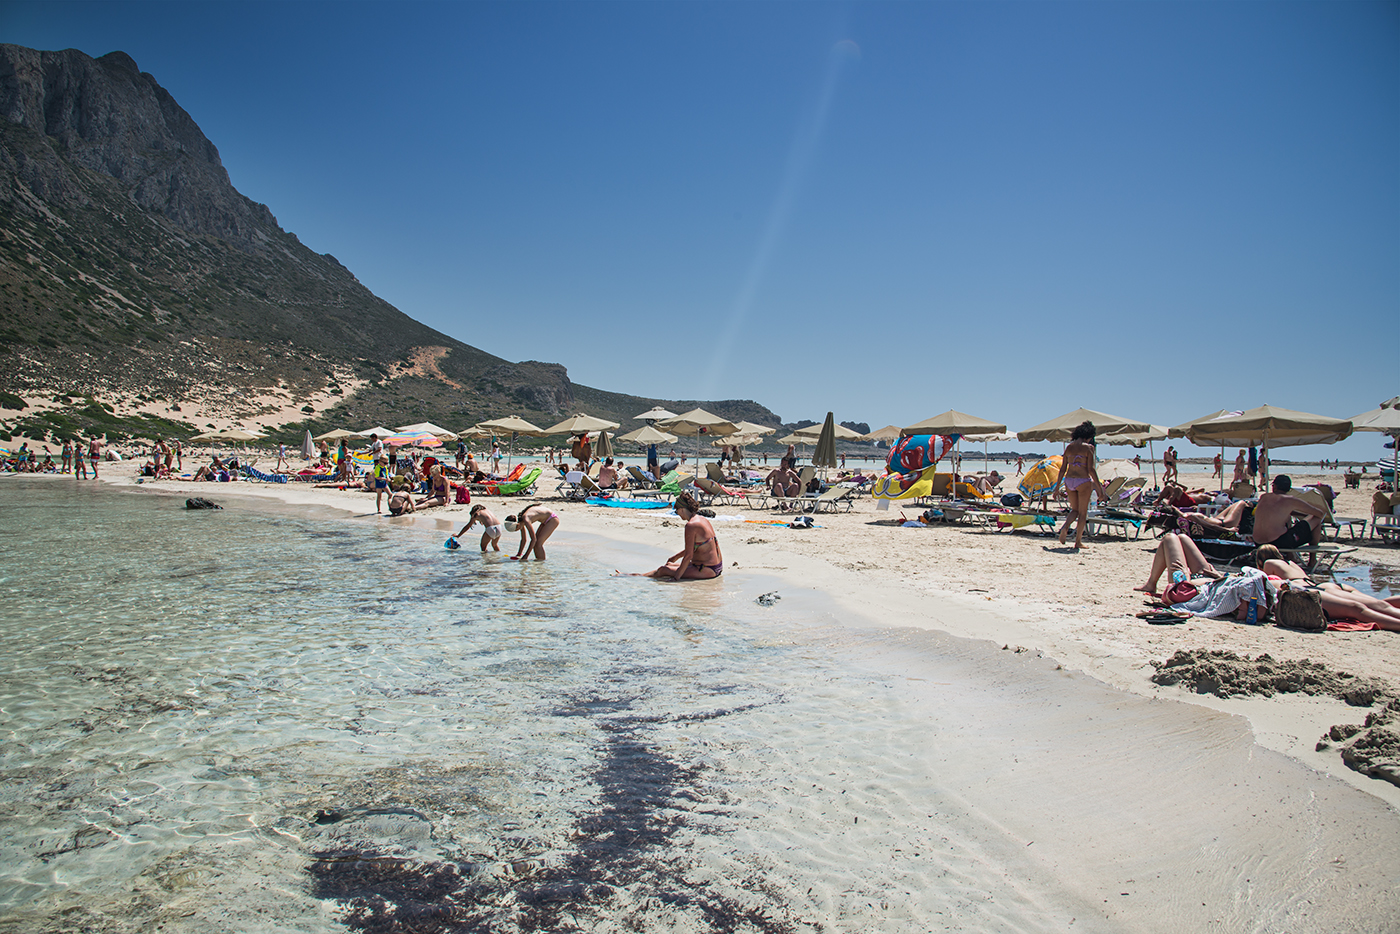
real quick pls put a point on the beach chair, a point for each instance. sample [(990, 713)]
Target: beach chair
[(571, 486), (714, 472), (640, 481), (833, 499), (714, 494), (255, 474)]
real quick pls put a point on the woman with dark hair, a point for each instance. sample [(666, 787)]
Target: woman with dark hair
[(1079, 469), (1338, 600), (700, 559), (536, 523)]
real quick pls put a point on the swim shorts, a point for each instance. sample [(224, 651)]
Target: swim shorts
[(494, 531), (1300, 533)]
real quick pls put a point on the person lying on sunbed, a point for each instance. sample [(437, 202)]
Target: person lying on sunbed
[(1338, 600), (985, 484)]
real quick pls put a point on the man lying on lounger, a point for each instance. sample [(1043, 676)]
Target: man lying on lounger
[(1273, 518)]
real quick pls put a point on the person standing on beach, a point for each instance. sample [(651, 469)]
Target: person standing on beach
[(381, 480), (1239, 468), (343, 461), (1219, 466), (281, 458), (179, 456), (1079, 469), (496, 458), (536, 523), (79, 465), (67, 456), (1169, 465), (94, 453)]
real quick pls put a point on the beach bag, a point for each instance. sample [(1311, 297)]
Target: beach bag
[(463, 495), (1300, 610), (1011, 500), (1180, 592)]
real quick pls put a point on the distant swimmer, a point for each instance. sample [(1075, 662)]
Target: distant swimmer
[(536, 523), (700, 559), (491, 527)]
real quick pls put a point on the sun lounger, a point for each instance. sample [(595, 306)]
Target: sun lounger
[(1386, 527), (255, 474), (833, 499), (1323, 557), (1102, 525), (640, 481), (713, 494), (1342, 522)]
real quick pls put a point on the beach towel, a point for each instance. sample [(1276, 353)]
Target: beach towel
[(265, 477), (627, 503), (1223, 597)]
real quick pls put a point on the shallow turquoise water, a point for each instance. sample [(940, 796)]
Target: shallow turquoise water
[(265, 720)]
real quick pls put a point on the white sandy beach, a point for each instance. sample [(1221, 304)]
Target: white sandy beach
[(1015, 590)]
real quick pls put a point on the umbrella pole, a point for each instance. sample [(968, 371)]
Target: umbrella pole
[(1152, 458)]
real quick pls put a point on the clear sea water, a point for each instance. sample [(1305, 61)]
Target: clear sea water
[(269, 720)]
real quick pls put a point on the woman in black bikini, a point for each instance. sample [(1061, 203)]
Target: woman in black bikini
[(700, 559), (1078, 469)]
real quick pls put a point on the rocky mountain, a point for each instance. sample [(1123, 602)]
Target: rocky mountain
[(141, 292)]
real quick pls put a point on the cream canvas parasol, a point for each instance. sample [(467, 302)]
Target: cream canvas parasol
[(580, 424), (1270, 426), (648, 435), (1060, 429)]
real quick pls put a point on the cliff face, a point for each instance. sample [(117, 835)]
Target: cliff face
[(107, 116), (132, 269)]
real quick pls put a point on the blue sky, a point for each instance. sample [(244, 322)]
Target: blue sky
[(885, 210)]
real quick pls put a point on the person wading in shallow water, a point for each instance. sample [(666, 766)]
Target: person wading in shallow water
[(536, 523), (700, 559)]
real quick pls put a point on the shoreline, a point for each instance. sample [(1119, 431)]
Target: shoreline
[(1112, 649)]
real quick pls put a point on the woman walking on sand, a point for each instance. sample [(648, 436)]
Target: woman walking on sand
[(536, 523), (700, 559), (1078, 469)]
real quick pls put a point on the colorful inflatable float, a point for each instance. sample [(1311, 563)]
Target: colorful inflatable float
[(911, 468)]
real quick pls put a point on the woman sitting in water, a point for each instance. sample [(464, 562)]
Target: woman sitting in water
[(700, 559), (1338, 600), (437, 489), (536, 523), (400, 503)]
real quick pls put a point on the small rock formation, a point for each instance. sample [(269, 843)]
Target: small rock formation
[(199, 502)]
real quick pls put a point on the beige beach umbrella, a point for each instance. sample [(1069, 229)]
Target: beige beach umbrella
[(953, 422), (794, 438), (442, 434), (1270, 426), (238, 434), (380, 430), (648, 435), (1113, 469), (515, 425), (698, 422), (750, 429), (1060, 429), (1138, 439), (1385, 419), (825, 454), (811, 433), (656, 413), (888, 433), (336, 435), (580, 424), (475, 431), (206, 436), (1179, 431)]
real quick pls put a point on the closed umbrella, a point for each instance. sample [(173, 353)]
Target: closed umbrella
[(308, 447), (604, 448), (825, 455), (1269, 426)]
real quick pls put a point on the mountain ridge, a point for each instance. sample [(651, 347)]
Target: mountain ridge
[(134, 275)]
